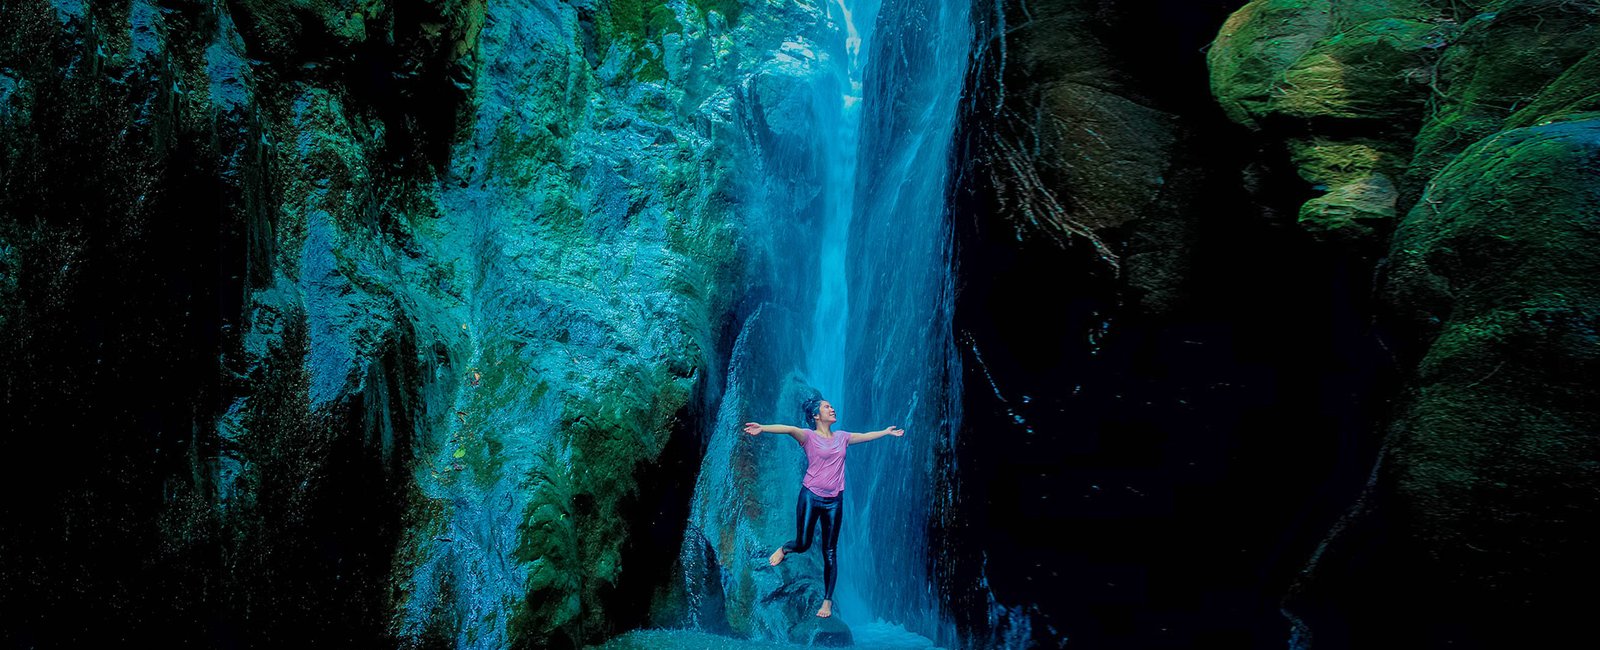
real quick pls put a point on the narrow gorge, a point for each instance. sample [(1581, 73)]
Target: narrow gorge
[(436, 323)]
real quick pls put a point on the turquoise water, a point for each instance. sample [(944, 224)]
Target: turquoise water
[(847, 203), (873, 636), (899, 357)]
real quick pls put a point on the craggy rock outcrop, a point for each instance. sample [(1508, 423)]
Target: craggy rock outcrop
[(212, 310), (1478, 524), (1343, 84), (384, 312), (744, 510), (593, 196), (1154, 367), (1074, 146), (1372, 98), (1466, 123)]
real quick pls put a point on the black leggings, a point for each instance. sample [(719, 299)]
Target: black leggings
[(808, 511)]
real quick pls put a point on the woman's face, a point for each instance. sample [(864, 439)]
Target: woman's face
[(825, 414)]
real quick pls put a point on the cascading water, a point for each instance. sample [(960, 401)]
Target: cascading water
[(849, 191), (826, 350), (899, 349)]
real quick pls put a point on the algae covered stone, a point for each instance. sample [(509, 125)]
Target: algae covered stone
[(1378, 70), (1343, 84), (1577, 90), (1502, 59), (1482, 502), (1256, 45), (1356, 177), (1351, 211)]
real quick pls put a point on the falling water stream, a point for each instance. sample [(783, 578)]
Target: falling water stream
[(880, 347), (845, 208)]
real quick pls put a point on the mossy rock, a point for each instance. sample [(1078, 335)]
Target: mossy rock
[(1352, 212), (1256, 45), (1483, 496), (1501, 61), (1576, 91), (1357, 176), (1327, 162), (1496, 459), (1512, 215), (1479, 501), (1350, 13), (1378, 70), (640, 27)]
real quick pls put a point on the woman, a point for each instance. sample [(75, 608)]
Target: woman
[(822, 491)]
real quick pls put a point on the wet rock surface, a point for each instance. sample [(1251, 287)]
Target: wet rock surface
[(413, 324), (1483, 175), (387, 311)]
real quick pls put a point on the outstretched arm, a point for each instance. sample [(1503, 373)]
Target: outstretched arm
[(863, 437), (755, 429)]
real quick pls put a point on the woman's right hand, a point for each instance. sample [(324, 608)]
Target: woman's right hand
[(752, 428)]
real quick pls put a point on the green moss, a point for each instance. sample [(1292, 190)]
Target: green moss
[(1361, 198), (1256, 44), (1500, 62), (573, 530), (1378, 70), (548, 545), (729, 9), (640, 25), (641, 21), (1576, 91), (1490, 458), (533, 142), (1500, 428), (1376, 67), (1511, 209), (1328, 162), (1493, 458), (1350, 13), (1353, 211)]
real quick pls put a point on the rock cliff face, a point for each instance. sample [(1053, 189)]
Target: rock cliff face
[(211, 218), (355, 323), (1464, 128), (385, 312), (1157, 365)]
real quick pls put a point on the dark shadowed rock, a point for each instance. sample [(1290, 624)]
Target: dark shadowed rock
[(1341, 84), (821, 632), (1471, 524), (1477, 529)]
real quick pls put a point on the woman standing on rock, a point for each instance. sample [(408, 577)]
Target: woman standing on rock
[(822, 491)]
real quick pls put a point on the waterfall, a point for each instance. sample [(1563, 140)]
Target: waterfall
[(850, 130), (898, 350)]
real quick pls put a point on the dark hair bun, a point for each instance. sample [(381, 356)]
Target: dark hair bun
[(810, 409)]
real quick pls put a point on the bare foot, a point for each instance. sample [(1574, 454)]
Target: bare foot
[(777, 556), (827, 609)]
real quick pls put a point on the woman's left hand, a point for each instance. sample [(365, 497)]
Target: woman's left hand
[(896, 431)]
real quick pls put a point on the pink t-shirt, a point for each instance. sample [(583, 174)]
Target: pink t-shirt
[(825, 462)]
